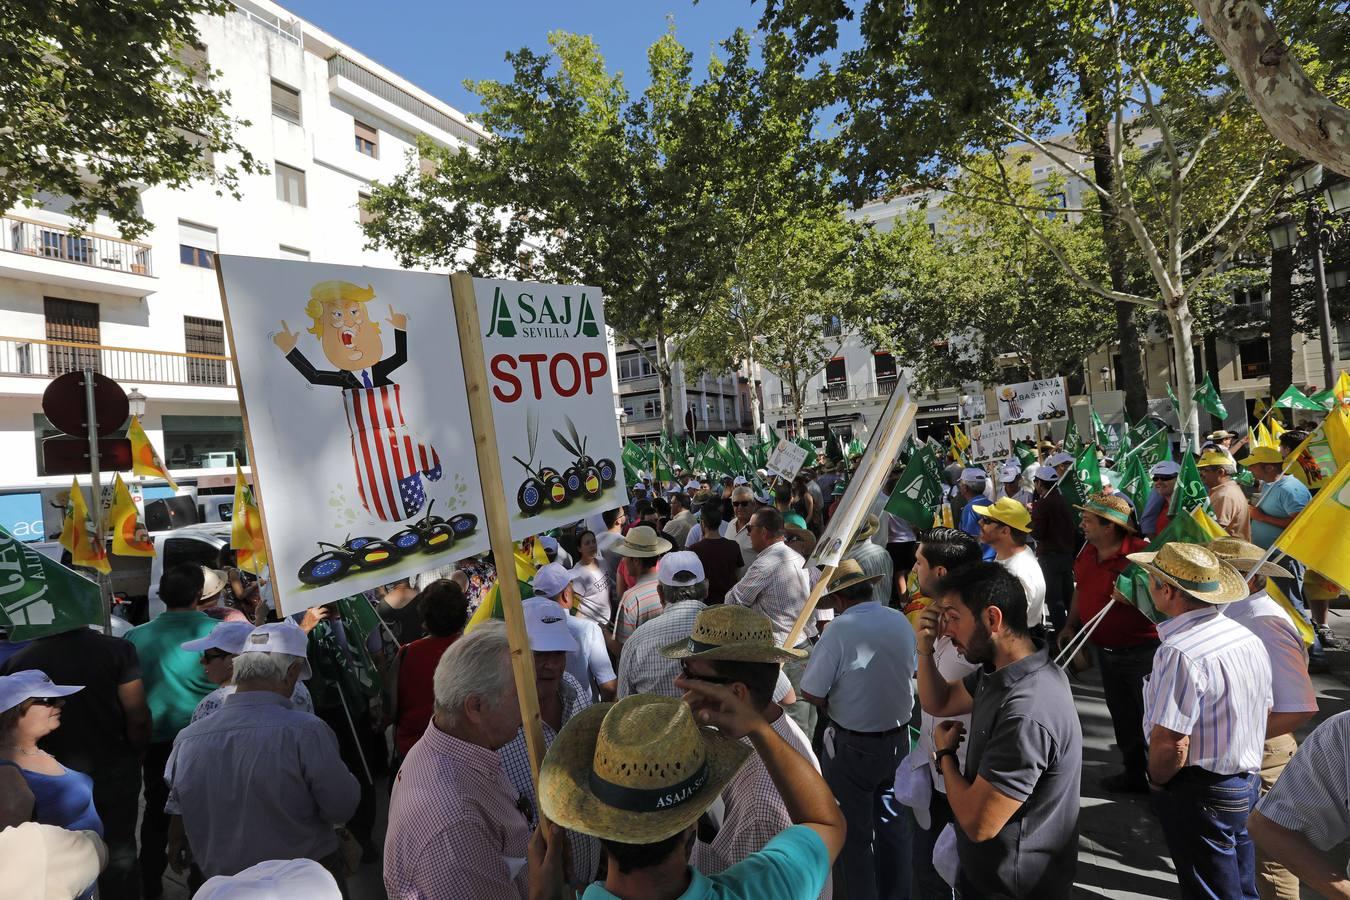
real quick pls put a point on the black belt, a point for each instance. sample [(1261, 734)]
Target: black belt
[(871, 734)]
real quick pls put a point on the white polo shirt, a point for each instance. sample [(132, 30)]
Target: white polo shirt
[(863, 664)]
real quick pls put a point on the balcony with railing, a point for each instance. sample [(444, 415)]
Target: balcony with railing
[(58, 254), (46, 359), (839, 392)]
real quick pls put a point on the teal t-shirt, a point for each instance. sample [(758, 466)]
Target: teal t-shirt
[(174, 679), (1283, 498), (792, 866)]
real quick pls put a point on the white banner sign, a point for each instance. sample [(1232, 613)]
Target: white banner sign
[(1032, 402), (787, 459), (990, 441), (358, 423), (552, 400)]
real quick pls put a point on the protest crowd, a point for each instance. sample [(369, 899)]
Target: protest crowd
[(913, 735)]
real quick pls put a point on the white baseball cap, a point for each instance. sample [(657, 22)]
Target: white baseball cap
[(228, 636), (1008, 474), (738, 481), (972, 475), (546, 624), (548, 542), (1166, 468), (550, 580), (276, 879), (1059, 459), (680, 569), (1047, 473), (281, 637), (30, 683)]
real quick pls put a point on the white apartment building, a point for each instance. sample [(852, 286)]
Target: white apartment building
[(327, 120), (706, 404)]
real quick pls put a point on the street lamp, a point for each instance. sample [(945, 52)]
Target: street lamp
[(136, 403), (1106, 378), (825, 398), (1283, 235)]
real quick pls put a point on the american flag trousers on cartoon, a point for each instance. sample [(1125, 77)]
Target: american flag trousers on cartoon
[(389, 463)]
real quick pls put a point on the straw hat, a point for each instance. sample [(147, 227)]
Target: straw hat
[(735, 633), (1195, 570), (867, 529), (1111, 507), (642, 541), (847, 574), (1259, 455), (800, 539), (1007, 511), (1220, 435), (636, 771), (1243, 556)]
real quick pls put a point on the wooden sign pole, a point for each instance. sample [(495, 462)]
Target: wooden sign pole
[(498, 514), (795, 635)]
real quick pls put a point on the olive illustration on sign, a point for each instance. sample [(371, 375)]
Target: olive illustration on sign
[(542, 486), (338, 561), (608, 472), (582, 477), (429, 533), (464, 523)]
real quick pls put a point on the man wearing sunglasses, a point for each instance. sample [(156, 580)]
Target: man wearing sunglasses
[(1155, 516)]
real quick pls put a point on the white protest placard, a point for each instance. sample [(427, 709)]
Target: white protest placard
[(990, 441), (549, 380), (357, 421), (1032, 402), (787, 459), (972, 403)]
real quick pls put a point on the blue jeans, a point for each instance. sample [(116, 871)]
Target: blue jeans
[(1204, 819)]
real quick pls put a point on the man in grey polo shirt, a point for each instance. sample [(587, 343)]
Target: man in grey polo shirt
[(1016, 803)]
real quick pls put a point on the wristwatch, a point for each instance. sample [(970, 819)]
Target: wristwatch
[(938, 754)]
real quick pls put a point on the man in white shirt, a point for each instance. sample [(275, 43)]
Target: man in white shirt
[(1005, 526), (859, 674), (589, 664), (1295, 700), (681, 519)]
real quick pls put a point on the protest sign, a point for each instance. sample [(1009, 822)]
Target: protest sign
[(972, 403), (990, 441), (1032, 402), (552, 401), (358, 428), (786, 460), (39, 596)]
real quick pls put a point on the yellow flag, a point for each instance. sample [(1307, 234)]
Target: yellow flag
[(129, 537), (1276, 429), (1263, 438), (145, 460), (1305, 630), (1342, 390), (1319, 536), (1336, 426), (1259, 409), (959, 438), (246, 531), (1206, 522), (78, 537)]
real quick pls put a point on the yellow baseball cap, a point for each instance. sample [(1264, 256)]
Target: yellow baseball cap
[(1215, 458), (1263, 455), (1008, 511)]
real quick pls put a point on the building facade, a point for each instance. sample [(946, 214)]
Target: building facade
[(705, 404), (326, 120)]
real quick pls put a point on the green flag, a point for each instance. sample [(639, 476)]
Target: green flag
[(1208, 397), (40, 596), (1153, 449), (1100, 433), (1293, 398), (1075, 493), (1134, 481), (1190, 491), (1088, 470), (1325, 399), (1073, 441), (856, 448), (1172, 398), (1025, 455), (1133, 582), (918, 490)]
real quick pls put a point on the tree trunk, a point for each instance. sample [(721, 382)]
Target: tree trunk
[(1299, 115), (756, 416), (1281, 321), (663, 373), (1135, 385), (1182, 325)]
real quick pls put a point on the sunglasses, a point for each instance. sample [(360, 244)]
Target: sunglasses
[(985, 520), (706, 679), (48, 701), (1164, 478), (740, 502), (213, 655)]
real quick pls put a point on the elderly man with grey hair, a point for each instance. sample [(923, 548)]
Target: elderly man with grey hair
[(456, 826), (259, 779), (683, 589)]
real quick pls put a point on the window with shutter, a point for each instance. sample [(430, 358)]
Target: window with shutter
[(367, 140), (205, 337), (285, 103), (290, 184), (72, 322), (197, 245)]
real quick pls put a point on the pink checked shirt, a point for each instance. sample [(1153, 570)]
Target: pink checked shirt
[(454, 825)]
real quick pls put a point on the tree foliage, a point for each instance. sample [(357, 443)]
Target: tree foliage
[(98, 102), (649, 198)]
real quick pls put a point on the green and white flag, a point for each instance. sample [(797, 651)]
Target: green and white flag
[(1293, 398), (1208, 397), (1153, 449), (1100, 433), (1190, 491), (1134, 481), (1073, 441), (39, 596), (1088, 470), (918, 491), (1172, 399)]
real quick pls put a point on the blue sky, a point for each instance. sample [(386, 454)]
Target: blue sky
[(437, 44)]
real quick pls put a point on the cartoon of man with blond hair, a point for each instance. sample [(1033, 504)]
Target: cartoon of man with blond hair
[(389, 463)]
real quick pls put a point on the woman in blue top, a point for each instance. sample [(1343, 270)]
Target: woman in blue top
[(30, 709)]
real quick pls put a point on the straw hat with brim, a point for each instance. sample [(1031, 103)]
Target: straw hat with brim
[(800, 536), (734, 633), (1196, 571), (1109, 507), (642, 541), (636, 771), (867, 529), (1260, 455), (847, 574), (1244, 556)]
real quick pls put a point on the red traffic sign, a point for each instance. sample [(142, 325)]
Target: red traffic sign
[(65, 405), (70, 456)]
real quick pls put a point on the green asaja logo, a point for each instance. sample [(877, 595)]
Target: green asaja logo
[(557, 316)]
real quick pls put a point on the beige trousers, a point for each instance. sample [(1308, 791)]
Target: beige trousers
[(1274, 881)]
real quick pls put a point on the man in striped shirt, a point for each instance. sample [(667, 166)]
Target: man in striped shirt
[(641, 549), (1205, 712)]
